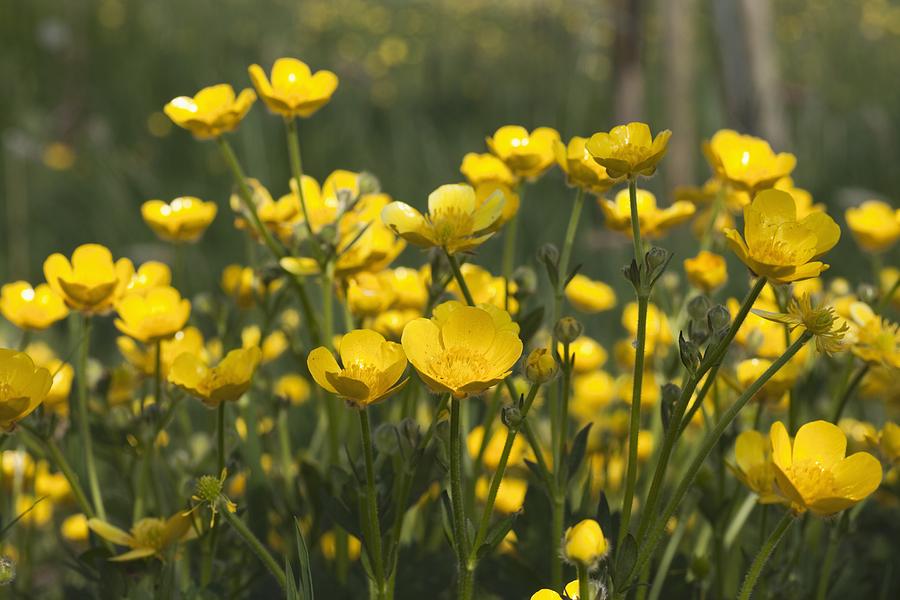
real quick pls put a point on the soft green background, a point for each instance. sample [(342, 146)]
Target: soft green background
[(422, 82)]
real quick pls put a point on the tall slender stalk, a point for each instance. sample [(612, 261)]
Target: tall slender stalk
[(84, 427), (464, 586), (763, 556), (847, 392), (373, 545), (297, 168), (643, 297), (584, 583), (220, 438), (565, 256), (255, 545), (460, 280)]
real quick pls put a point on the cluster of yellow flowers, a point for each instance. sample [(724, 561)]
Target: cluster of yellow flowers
[(463, 331)]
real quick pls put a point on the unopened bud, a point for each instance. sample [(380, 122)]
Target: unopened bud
[(567, 330), (585, 543), (719, 319), (526, 281), (385, 439), (690, 353), (548, 254), (511, 416), (656, 261), (540, 366), (368, 183), (698, 307)]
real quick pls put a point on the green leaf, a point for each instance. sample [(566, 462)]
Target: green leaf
[(576, 454), (306, 581), (626, 557), (496, 534)]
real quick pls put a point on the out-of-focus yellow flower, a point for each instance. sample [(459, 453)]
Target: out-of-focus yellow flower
[(589, 296), (650, 394), (587, 354), (746, 162), (225, 382), (123, 383), (74, 528), (34, 511), (188, 340), (16, 464), (591, 394), (813, 473), (462, 349), (889, 277), (409, 285), (585, 543), (91, 282), (157, 315), (368, 294), (485, 192), (754, 467), (776, 244), (328, 544), (454, 220), (654, 222), (54, 486), (486, 168), (889, 442), (294, 90), (32, 308), (706, 271), (59, 156), (493, 448), (526, 154), (148, 537), (646, 444), (57, 398), (510, 494), (23, 386), (750, 369), (294, 388), (279, 216), (877, 341), (152, 274), (874, 224), (629, 150), (272, 346), (803, 200), (242, 284), (580, 167), (184, 219), (390, 323), (485, 288), (859, 433), (658, 332), (212, 111), (370, 368)]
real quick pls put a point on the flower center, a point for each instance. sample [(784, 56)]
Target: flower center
[(631, 153), (459, 365), (450, 224), (7, 392), (363, 372), (761, 477), (149, 533), (812, 480)]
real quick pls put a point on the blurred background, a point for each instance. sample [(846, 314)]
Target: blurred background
[(84, 141)]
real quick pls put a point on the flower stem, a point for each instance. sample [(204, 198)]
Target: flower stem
[(297, 168), (454, 265), (84, 427), (763, 556), (656, 527), (847, 392), (635, 221), (464, 590), (59, 459), (255, 545), (635, 423), (584, 583), (830, 555), (220, 437), (568, 243), (374, 544)]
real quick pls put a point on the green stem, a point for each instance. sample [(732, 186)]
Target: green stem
[(847, 392), (509, 242), (568, 243), (635, 222), (464, 591), (220, 437), (763, 557), (657, 527), (374, 544), (59, 459), (830, 555), (635, 423), (84, 428), (888, 296), (715, 209), (460, 280), (557, 525), (297, 168), (255, 545), (511, 434), (584, 583)]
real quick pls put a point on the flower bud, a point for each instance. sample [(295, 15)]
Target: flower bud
[(511, 416), (656, 261), (698, 307), (690, 353), (585, 543), (526, 281), (7, 571), (548, 254), (540, 366), (567, 330), (719, 319), (368, 184)]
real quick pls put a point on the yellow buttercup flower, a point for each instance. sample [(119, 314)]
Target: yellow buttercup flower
[(485, 192), (526, 154), (23, 386), (707, 271), (370, 368), (91, 282), (157, 315), (587, 354), (293, 90), (802, 198), (294, 388), (272, 346), (874, 224), (817, 319), (463, 350), (746, 162), (750, 369), (877, 341), (580, 167), (486, 168), (188, 340), (184, 219), (212, 111), (242, 284), (390, 323), (585, 543), (53, 486), (57, 399), (754, 466), (454, 221), (591, 393), (148, 537), (629, 150), (74, 528), (328, 544), (813, 473), (654, 222), (32, 308), (658, 331), (368, 294), (225, 382), (409, 286), (776, 244), (152, 274), (493, 448), (889, 442), (35, 511), (589, 296), (510, 495), (485, 288)]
